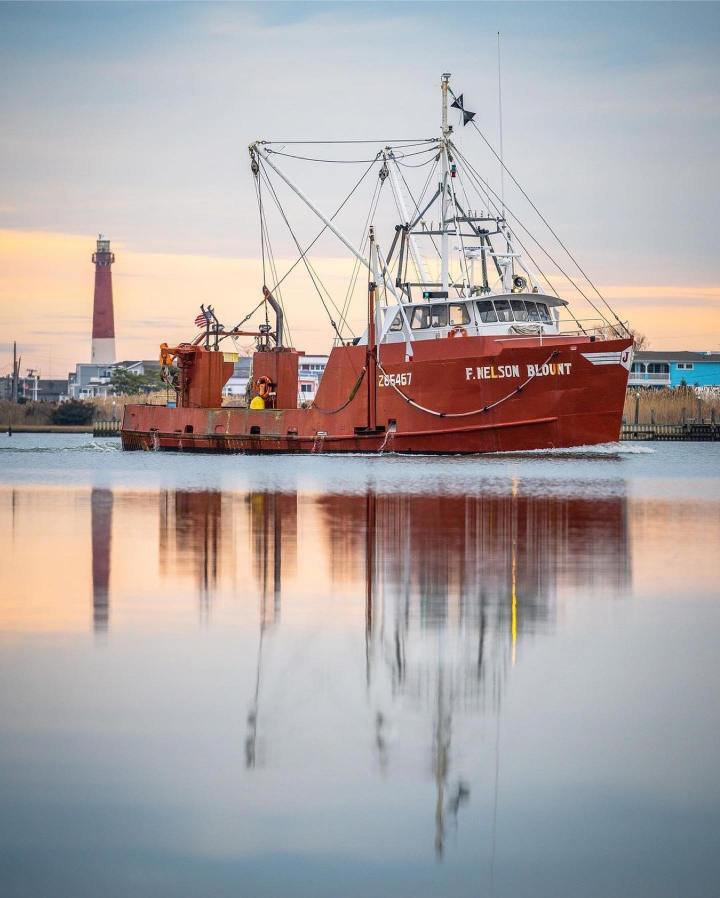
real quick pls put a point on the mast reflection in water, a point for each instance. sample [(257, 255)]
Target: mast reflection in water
[(452, 585)]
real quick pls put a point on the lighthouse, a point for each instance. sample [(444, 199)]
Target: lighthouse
[(103, 332)]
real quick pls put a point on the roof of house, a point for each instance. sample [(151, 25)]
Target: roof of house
[(647, 355), (146, 363)]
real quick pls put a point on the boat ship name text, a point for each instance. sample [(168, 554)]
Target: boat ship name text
[(491, 372)]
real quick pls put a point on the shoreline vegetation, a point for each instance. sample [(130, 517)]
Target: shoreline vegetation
[(681, 405), (672, 405)]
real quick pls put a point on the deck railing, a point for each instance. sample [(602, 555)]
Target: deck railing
[(655, 377)]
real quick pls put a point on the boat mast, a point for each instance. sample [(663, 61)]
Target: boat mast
[(444, 202), (371, 355)]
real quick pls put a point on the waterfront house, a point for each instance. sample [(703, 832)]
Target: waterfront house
[(310, 371), (672, 369), (91, 381)]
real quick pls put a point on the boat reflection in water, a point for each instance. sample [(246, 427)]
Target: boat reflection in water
[(451, 585), (500, 681)]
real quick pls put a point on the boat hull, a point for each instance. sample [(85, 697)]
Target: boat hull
[(465, 396)]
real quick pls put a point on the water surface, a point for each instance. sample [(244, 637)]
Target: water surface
[(350, 676)]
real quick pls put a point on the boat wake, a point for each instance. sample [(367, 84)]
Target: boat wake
[(93, 446), (601, 450)]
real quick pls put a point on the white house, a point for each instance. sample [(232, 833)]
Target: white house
[(90, 381), (310, 371)]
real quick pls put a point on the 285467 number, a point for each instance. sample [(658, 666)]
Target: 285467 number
[(395, 380)]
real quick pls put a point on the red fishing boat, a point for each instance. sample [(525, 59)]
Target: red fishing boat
[(463, 352)]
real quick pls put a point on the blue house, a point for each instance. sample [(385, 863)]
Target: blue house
[(671, 369)]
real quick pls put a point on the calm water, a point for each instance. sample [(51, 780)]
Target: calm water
[(359, 677)]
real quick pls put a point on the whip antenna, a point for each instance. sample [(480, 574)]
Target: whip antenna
[(500, 117)]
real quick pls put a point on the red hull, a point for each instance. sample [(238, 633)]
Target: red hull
[(489, 394)]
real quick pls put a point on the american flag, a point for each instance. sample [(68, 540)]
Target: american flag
[(202, 319)]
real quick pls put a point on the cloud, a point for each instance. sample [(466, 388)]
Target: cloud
[(610, 131), (666, 296)]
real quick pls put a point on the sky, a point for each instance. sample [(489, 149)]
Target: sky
[(134, 120)]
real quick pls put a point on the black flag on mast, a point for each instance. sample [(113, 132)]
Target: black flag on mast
[(457, 103)]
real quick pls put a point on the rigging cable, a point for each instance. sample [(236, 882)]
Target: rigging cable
[(324, 227), (273, 271), (475, 175), (347, 161), (422, 196), (258, 193), (458, 229), (416, 164), (405, 141), (249, 315), (525, 250), (333, 324), (547, 224), (363, 240), (262, 246), (265, 240)]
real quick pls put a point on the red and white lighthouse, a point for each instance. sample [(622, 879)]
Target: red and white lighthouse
[(103, 332)]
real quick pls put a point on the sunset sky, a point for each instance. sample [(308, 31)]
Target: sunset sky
[(134, 121)]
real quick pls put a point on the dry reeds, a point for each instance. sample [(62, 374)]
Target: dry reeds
[(671, 405), (26, 413)]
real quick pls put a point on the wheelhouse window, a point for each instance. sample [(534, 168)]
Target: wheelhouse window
[(425, 316), (439, 316), (458, 314), (544, 313), (502, 307), (420, 318), (532, 310), (486, 310), (519, 310)]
